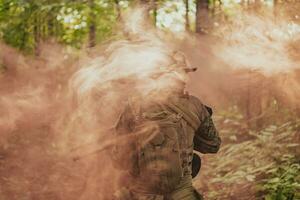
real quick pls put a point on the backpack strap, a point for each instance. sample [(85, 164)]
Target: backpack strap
[(191, 119)]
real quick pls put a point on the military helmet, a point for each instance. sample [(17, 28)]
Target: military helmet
[(177, 69), (180, 67), (180, 61)]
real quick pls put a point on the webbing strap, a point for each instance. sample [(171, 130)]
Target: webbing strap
[(187, 116)]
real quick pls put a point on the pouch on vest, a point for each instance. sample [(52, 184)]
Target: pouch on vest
[(159, 162)]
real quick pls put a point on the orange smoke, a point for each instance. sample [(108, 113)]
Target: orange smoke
[(252, 52), (258, 43), (60, 105), (63, 100)]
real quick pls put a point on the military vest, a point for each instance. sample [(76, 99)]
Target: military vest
[(164, 140)]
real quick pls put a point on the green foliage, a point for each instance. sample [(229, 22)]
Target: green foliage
[(284, 181), (251, 162), (106, 18), (12, 26), (24, 24), (73, 20)]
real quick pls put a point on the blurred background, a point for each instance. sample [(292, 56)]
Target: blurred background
[(248, 58), (24, 24)]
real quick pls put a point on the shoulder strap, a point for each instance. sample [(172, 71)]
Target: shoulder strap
[(191, 119)]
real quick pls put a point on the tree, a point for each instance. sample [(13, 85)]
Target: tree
[(118, 9), (25, 24), (202, 16), (154, 8), (151, 7), (187, 20), (92, 24)]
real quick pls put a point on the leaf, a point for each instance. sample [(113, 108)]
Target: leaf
[(250, 178), (271, 128), (233, 138), (292, 145), (274, 180)]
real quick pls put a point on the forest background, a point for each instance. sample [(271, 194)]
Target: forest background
[(256, 104)]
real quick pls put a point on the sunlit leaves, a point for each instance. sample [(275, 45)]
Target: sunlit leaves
[(23, 24), (285, 180), (74, 24), (171, 15), (263, 162)]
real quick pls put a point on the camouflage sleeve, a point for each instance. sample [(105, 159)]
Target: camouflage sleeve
[(206, 139)]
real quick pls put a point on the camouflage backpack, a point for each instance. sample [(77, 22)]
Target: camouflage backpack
[(164, 145)]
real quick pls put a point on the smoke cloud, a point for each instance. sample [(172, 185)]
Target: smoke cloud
[(65, 104)]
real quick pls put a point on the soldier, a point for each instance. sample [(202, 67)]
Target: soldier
[(156, 153)]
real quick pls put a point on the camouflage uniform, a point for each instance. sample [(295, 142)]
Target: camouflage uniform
[(157, 150)]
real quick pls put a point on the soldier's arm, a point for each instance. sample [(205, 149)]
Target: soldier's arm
[(206, 139)]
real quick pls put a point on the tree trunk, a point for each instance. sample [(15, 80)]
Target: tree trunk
[(187, 20), (154, 7), (257, 5), (144, 2), (37, 36), (275, 8), (117, 5), (92, 25), (213, 9), (202, 16), (147, 5)]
